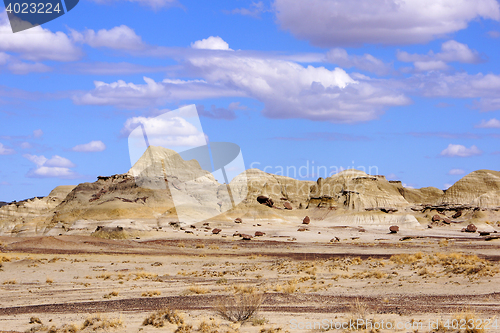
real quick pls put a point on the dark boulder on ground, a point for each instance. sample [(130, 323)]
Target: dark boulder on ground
[(393, 229), (436, 218), (471, 228), (246, 237), (259, 233), (306, 220), (287, 205), (238, 220), (216, 231)]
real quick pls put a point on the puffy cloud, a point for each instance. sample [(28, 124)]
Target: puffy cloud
[(130, 95), (37, 43), (365, 62), (492, 123), (121, 38), (287, 89), (5, 150), (211, 43), (166, 132), (92, 146), (290, 90), (55, 167), (460, 151), (456, 172), (451, 51), (331, 23)]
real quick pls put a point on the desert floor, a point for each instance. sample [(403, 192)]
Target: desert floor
[(304, 283)]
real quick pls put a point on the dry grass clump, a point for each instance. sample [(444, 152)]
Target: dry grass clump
[(289, 287), (49, 281), (458, 263), (406, 259), (114, 234), (198, 290), (10, 282), (200, 246), (159, 318), (114, 293), (98, 321), (151, 293), (240, 307)]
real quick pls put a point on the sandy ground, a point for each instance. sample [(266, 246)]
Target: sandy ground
[(308, 283)]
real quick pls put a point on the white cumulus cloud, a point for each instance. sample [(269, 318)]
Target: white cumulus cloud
[(492, 123), (451, 51), (55, 167), (121, 37), (37, 43), (332, 23), (211, 43), (92, 146), (461, 151), (166, 132)]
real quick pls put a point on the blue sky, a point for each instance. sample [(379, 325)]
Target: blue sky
[(407, 88)]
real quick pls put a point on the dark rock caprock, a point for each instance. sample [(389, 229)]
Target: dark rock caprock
[(306, 220)]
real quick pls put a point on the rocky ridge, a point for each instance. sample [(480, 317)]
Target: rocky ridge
[(161, 186)]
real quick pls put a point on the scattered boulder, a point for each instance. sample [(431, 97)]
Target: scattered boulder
[(302, 229), (259, 233), (361, 229), (287, 205), (306, 220), (388, 210), (246, 237), (484, 233), (429, 226), (457, 214), (471, 228), (334, 240), (436, 218), (237, 234), (188, 232), (262, 199), (394, 229), (216, 231), (446, 220), (238, 220)]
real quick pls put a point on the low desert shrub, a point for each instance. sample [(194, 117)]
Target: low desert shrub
[(159, 318), (98, 321), (240, 307)]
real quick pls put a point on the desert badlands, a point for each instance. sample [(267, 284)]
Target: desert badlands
[(168, 248)]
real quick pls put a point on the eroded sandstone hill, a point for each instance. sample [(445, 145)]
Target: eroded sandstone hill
[(161, 187)]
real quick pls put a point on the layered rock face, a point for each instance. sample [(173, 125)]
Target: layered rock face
[(162, 188), (479, 188)]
